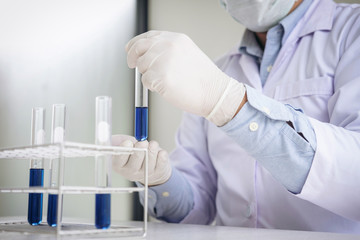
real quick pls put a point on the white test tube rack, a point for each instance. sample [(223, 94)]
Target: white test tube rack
[(72, 150)]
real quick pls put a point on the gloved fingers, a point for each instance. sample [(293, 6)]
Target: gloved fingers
[(162, 159), (126, 166), (153, 146), (153, 150), (155, 82), (122, 141), (151, 56), (119, 161), (162, 169), (138, 49), (116, 140), (136, 160), (152, 81), (149, 34)]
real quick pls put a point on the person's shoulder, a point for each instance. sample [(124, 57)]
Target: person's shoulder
[(348, 6), (347, 13), (346, 22)]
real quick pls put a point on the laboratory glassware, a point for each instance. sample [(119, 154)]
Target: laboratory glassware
[(77, 227), (57, 136), (36, 178), (141, 108), (103, 162)]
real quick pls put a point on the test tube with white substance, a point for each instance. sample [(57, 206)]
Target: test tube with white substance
[(103, 162), (57, 136)]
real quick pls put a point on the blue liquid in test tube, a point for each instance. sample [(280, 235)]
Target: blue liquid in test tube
[(141, 123), (103, 203), (36, 178), (52, 210), (141, 109), (103, 162), (35, 199), (57, 136)]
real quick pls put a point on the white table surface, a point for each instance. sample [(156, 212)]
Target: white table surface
[(189, 232), (166, 231)]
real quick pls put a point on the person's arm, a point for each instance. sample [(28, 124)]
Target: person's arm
[(333, 181), (170, 201), (175, 68), (277, 135), (178, 70), (191, 158), (187, 192)]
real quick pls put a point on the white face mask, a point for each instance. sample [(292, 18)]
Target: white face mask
[(258, 15)]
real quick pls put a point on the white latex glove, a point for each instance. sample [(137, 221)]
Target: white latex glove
[(173, 66), (132, 166)]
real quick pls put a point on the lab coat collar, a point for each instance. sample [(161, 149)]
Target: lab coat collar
[(316, 22), (311, 22)]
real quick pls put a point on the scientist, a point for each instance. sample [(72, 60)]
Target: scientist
[(271, 133)]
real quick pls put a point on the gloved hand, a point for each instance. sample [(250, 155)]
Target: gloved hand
[(132, 166), (173, 66)]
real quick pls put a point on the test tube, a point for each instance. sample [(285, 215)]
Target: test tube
[(103, 162), (141, 108), (36, 167), (57, 136)]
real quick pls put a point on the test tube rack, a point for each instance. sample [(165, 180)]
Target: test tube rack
[(72, 150)]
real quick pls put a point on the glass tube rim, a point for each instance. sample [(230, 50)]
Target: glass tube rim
[(103, 97), (55, 105)]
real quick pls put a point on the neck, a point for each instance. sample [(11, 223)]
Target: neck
[(261, 37)]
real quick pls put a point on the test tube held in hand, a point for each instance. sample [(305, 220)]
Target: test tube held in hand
[(103, 162), (36, 178), (141, 108), (57, 136)]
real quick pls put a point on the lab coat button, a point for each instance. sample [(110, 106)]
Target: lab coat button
[(253, 126), (269, 68), (165, 194)]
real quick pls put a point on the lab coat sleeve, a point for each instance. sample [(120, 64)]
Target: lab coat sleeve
[(334, 178), (171, 201), (189, 195), (191, 158)]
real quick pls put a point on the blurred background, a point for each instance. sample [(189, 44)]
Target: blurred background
[(70, 51), (64, 51)]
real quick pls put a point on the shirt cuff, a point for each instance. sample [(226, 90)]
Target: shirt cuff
[(261, 128), (255, 123), (170, 201)]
